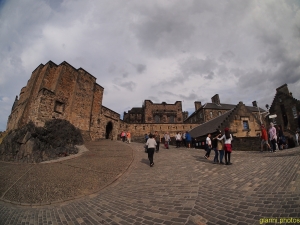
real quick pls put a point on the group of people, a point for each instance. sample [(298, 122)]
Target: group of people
[(153, 142), (183, 138), (125, 136), (221, 144), (275, 136)]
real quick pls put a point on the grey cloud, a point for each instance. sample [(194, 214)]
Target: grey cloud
[(226, 56), (154, 99), (128, 85), (196, 66), (191, 96), (163, 30), (166, 93), (140, 68)]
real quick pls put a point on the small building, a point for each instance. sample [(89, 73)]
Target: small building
[(286, 108), (209, 111), (242, 123), (156, 113)]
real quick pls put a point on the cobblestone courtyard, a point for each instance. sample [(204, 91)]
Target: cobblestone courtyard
[(113, 184)]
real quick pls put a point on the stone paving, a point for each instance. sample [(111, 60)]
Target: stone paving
[(182, 188)]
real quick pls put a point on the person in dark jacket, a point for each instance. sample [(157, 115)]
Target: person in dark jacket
[(188, 139), (215, 145)]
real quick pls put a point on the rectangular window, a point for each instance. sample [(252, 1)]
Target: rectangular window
[(245, 125), (59, 107), (294, 111)]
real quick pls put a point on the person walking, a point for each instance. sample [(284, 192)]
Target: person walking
[(123, 135), (157, 139), (151, 144), (184, 139), (208, 146), (167, 140), (215, 147), (227, 137), (188, 139), (273, 137), (178, 139), (220, 148), (264, 138), (128, 137), (281, 138)]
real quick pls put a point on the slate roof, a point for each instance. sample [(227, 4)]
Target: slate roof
[(224, 107), (209, 126)]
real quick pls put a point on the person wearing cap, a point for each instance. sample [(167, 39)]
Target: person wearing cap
[(264, 138), (227, 145), (273, 137)]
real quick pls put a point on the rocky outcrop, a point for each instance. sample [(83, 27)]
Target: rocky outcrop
[(32, 144)]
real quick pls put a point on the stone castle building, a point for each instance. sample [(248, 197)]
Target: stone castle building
[(61, 91), (64, 92), (286, 108), (209, 111), (156, 113)]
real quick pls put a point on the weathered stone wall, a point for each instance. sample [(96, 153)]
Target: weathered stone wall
[(107, 125), (164, 111), (58, 91), (286, 108), (138, 131), (204, 115)]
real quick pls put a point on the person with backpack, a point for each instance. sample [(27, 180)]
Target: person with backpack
[(227, 137)]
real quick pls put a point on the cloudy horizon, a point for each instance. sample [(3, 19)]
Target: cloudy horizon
[(161, 50)]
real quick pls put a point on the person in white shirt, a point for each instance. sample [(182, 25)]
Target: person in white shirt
[(178, 139), (151, 143), (208, 146), (227, 145), (167, 140)]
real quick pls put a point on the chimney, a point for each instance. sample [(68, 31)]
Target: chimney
[(197, 105), (283, 89), (254, 103), (215, 99)]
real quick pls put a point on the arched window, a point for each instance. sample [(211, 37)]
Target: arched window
[(157, 119), (171, 119), (211, 114), (220, 113)]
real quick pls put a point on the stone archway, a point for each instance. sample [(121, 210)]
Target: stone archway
[(108, 131)]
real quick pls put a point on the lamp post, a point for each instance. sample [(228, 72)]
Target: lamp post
[(267, 106)]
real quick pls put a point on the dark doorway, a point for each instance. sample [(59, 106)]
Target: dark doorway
[(109, 127), (284, 116)]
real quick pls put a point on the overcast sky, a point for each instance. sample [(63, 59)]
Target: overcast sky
[(162, 50)]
